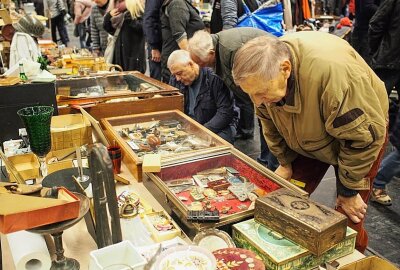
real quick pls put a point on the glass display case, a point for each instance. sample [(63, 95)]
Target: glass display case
[(228, 182), (116, 94), (170, 133)]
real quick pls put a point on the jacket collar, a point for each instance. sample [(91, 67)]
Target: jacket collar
[(292, 98)]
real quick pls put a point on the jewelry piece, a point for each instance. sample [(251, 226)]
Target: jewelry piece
[(210, 193)]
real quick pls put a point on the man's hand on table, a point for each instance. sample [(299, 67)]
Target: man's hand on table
[(285, 171), (354, 207)]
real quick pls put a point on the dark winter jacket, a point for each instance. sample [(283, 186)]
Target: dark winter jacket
[(179, 20), (214, 103), (152, 23), (365, 9), (384, 35), (226, 44), (129, 51)]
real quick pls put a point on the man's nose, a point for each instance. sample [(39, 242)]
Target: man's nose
[(178, 78)]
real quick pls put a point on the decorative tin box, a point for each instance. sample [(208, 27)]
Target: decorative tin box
[(116, 94), (232, 207), (279, 253), (310, 224)]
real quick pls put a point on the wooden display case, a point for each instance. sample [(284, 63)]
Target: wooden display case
[(197, 139), (185, 167), (116, 94)]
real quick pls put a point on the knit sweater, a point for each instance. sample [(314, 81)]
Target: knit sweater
[(98, 34)]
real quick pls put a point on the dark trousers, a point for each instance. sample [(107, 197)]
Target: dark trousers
[(58, 23), (359, 41), (228, 134), (246, 107), (391, 78), (311, 171), (155, 67), (82, 34), (266, 157)]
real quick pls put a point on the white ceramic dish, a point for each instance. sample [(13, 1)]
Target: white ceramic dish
[(185, 258)]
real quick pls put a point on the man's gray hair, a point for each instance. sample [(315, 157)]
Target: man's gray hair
[(261, 57), (201, 44), (178, 57)]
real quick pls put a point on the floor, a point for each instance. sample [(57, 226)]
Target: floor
[(382, 222)]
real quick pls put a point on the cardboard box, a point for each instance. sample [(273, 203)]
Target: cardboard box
[(27, 165), (57, 160), (71, 130), (21, 212), (370, 263), (308, 223), (279, 253)]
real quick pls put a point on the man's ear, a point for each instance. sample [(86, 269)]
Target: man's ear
[(286, 68), (211, 53)]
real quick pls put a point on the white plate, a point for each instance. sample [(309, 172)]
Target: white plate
[(186, 258)]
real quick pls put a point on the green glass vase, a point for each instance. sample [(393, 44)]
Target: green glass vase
[(37, 121)]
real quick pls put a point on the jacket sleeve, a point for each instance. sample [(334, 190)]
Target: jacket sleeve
[(94, 31), (152, 23), (224, 104), (78, 6), (136, 25), (178, 14), (229, 13), (378, 24), (357, 120), (276, 143), (107, 24)]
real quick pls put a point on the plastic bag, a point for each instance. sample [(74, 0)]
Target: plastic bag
[(267, 18)]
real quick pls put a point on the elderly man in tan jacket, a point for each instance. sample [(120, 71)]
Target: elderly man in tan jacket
[(320, 104)]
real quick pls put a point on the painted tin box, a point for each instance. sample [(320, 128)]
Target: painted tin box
[(308, 223), (279, 253)]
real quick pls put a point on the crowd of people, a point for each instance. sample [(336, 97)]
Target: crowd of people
[(319, 101)]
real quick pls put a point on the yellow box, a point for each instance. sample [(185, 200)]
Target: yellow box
[(55, 164), (27, 165), (158, 235), (370, 263), (70, 130)]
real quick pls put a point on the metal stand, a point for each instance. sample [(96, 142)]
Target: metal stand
[(56, 230), (61, 262)]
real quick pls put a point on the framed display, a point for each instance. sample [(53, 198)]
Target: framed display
[(116, 94), (171, 134), (228, 182)]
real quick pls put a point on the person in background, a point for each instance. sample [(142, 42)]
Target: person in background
[(365, 9), (318, 109), (82, 11), (217, 51), (207, 99), (390, 168), (226, 13), (384, 41), (179, 21), (57, 12), (98, 35), (152, 31), (129, 50)]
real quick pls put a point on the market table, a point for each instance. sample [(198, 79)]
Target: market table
[(78, 242)]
